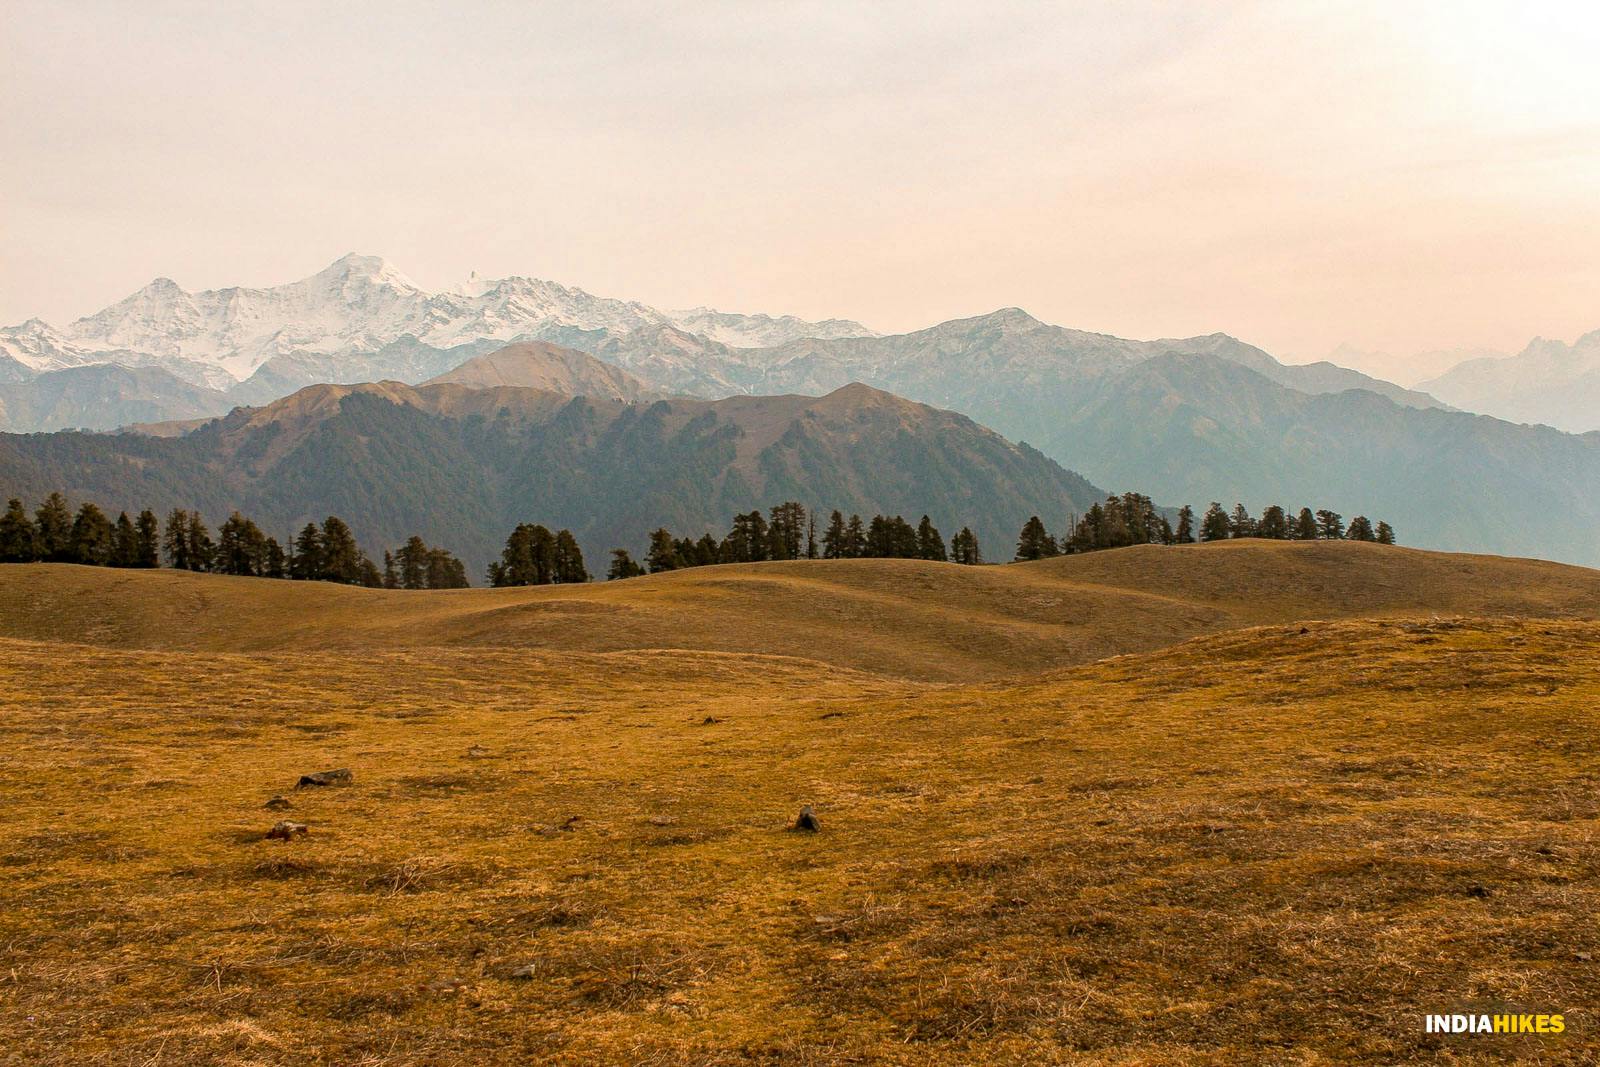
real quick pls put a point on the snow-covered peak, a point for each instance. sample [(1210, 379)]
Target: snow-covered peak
[(355, 306)]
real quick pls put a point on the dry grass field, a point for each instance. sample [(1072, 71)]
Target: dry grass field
[(1329, 789)]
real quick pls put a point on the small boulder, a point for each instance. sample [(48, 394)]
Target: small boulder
[(277, 803), (341, 776), (806, 821), (283, 830)]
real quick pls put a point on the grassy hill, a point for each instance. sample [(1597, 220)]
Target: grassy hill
[(902, 618), (1334, 787)]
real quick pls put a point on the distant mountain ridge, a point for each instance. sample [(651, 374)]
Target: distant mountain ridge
[(358, 319), (1548, 382)]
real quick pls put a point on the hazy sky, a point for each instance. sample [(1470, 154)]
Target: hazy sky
[(1399, 175)]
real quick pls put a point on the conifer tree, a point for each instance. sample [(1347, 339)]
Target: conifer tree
[(568, 567), (1330, 525), (17, 535), (1360, 530), (663, 554), (1240, 524), (1305, 526), (147, 552), (391, 577), (786, 531), (855, 538), (176, 541), (1035, 541), (92, 538), (1385, 534), (1274, 524), (413, 563), (306, 563), (1185, 534), (930, 542), (201, 548), (52, 525), (964, 548), (622, 566), (341, 557), (367, 573), (277, 564), (124, 543), (833, 538), (1215, 525), (811, 536), (445, 571)]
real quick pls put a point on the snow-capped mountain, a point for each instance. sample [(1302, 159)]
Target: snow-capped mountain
[(340, 317)]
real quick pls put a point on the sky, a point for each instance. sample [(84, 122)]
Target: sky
[(1400, 178)]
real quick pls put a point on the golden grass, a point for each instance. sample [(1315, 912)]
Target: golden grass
[(901, 618), (1278, 845)]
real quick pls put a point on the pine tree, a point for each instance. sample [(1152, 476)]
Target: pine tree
[(124, 543), (1240, 524), (964, 548), (277, 564), (1360, 530), (1330, 525), (176, 541), (811, 536), (1385, 534), (1185, 534), (148, 540), (17, 535), (833, 538), (92, 537), (201, 549), (663, 554), (568, 560), (930, 542), (786, 531), (1035, 541), (1305, 526), (367, 573), (341, 557), (391, 577), (1274, 524), (413, 563), (445, 571), (622, 566), (52, 525), (1215, 525), (306, 565), (855, 538)]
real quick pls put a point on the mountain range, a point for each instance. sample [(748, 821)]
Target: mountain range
[(1548, 382), (461, 464), (1186, 420)]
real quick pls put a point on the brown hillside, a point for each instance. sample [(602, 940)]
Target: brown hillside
[(897, 618), (552, 368)]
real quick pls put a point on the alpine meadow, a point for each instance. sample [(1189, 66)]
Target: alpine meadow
[(1130, 596)]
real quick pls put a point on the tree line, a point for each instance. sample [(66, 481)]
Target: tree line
[(1132, 519), (789, 531), (325, 553)]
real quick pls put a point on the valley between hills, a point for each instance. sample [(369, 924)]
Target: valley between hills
[(1233, 803)]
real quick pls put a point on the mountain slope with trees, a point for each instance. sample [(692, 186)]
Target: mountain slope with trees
[(460, 466)]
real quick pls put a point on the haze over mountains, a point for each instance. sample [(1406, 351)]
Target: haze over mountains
[(1186, 420), (1548, 382), (462, 464)]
